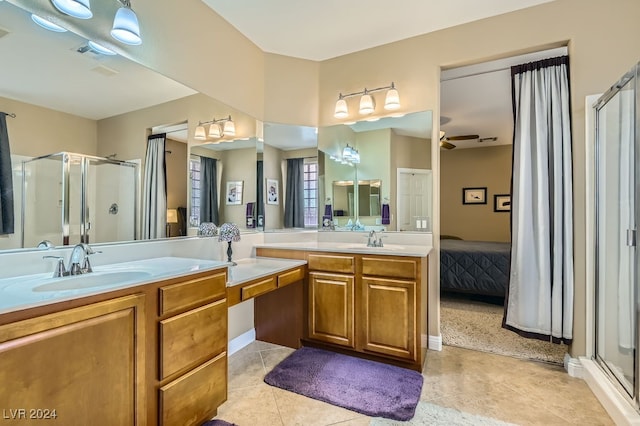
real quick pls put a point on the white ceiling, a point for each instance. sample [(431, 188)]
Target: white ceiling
[(320, 30)]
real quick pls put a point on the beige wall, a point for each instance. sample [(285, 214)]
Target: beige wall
[(238, 164), (477, 167), (40, 131)]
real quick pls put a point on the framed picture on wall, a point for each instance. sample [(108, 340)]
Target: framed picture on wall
[(234, 192), (502, 203), (474, 195), (272, 192)]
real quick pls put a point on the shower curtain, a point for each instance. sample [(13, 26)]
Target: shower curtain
[(209, 190), (6, 180), (154, 197), (540, 296), (294, 201)]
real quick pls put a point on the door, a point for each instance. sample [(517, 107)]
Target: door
[(414, 199), (331, 308), (616, 227)]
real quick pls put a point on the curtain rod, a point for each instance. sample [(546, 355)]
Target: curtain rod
[(12, 115)]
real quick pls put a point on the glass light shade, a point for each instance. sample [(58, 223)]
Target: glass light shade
[(172, 215), (346, 153), (229, 128), (47, 25), (342, 111), (392, 101), (215, 131), (126, 28), (356, 158), (100, 49), (367, 106), (77, 8), (200, 134)]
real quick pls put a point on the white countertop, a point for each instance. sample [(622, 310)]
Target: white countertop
[(360, 248), (41, 289), (253, 268)]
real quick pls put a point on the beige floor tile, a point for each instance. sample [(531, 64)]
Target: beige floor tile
[(251, 406), (360, 421), (245, 369), (271, 357), (299, 410)]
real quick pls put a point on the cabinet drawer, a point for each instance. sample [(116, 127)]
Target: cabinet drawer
[(256, 289), (290, 277), (196, 395), (389, 267), (330, 263), (186, 294), (189, 338)]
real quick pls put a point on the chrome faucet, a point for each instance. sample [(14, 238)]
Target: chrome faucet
[(79, 260), (371, 241)]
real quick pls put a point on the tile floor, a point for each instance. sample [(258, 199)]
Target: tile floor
[(503, 388)]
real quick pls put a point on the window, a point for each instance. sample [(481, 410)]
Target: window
[(194, 172), (311, 192)]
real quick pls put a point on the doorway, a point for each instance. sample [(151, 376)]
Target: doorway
[(414, 199)]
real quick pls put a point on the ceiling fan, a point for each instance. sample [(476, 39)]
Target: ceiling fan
[(444, 141)]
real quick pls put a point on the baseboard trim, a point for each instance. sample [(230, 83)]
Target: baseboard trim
[(241, 341), (573, 367), (435, 342), (620, 410)]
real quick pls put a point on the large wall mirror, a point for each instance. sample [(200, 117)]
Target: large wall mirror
[(291, 177), (69, 98), (377, 174)]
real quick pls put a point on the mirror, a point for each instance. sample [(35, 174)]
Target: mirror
[(104, 106), (284, 143), (390, 159)]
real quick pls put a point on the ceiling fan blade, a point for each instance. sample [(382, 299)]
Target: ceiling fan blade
[(446, 145), (463, 137)]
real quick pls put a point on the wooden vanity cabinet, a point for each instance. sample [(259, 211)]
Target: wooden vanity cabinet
[(192, 349), (78, 366)]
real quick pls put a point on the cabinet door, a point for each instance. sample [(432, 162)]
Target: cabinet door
[(389, 317), (331, 308), (84, 366)]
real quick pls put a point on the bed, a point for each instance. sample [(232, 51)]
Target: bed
[(476, 267)]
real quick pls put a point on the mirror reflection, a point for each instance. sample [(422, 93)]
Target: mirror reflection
[(102, 107), (291, 176), (390, 159)]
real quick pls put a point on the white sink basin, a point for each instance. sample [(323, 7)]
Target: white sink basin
[(386, 247), (92, 279)]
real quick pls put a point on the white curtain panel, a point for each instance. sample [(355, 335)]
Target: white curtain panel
[(540, 302), (154, 193)]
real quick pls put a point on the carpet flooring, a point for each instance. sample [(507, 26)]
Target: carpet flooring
[(367, 387), (477, 325)]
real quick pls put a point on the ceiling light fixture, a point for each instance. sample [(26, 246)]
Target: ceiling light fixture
[(126, 28), (215, 131), (77, 8), (367, 102), (98, 48), (46, 24)]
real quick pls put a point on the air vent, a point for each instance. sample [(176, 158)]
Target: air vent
[(106, 71)]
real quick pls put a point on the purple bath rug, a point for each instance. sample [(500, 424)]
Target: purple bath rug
[(367, 387), (218, 422)]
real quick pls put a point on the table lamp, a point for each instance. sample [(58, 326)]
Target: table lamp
[(229, 232), (172, 217)]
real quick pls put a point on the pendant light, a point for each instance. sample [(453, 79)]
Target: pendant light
[(98, 48), (215, 131), (367, 104), (77, 8), (342, 111), (47, 25), (392, 100), (229, 127), (200, 133), (126, 28)]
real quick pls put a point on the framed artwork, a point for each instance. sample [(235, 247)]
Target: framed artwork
[(474, 195), (234, 192), (502, 203), (272, 192)]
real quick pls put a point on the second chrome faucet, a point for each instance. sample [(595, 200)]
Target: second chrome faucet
[(78, 261)]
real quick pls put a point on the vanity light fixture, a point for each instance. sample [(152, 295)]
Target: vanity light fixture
[(98, 48), (80, 9), (126, 28), (215, 131), (367, 102), (46, 24)]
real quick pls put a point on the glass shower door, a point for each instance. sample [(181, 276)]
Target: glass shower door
[(616, 252)]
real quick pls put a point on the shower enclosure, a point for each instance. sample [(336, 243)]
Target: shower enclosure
[(617, 195), (72, 198)]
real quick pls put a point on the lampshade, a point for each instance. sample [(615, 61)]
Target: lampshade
[(100, 49), (172, 215), (214, 131), (229, 232), (229, 128), (392, 101), (347, 153), (46, 24), (126, 28), (367, 106), (342, 111), (77, 8), (200, 134)]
